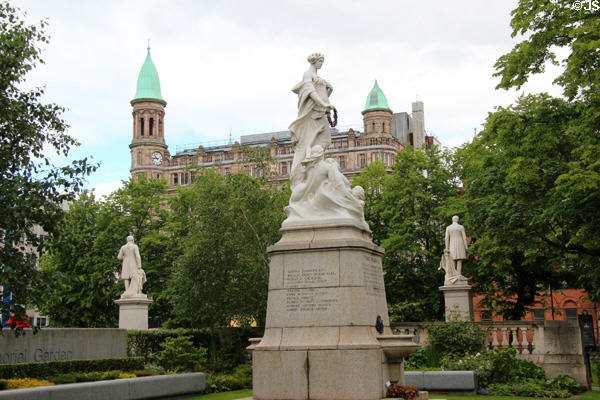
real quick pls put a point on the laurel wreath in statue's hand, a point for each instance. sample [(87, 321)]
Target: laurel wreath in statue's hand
[(335, 118)]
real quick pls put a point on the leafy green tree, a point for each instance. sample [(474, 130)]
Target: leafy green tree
[(540, 162), (547, 26), (515, 211), (81, 268), (415, 202), (31, 188), (372, 179), (223, 225)]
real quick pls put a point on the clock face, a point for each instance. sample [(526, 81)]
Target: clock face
[(157, 158)]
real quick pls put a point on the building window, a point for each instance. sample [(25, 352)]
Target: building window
[(361, 158), (41, 322), (284, 168), (571, 313), (141, 126), (151, 126), (247, 170), (485, 315), (157, 175), (184, 178), (539, 314), (140, 176), (175, 178), (375, 156), (160, 127), (227, 171), (374, 130), (342, 162), (383, 127)]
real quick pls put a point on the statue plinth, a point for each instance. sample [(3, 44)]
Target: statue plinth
[(327, 332), (458, 300), (133, 312)]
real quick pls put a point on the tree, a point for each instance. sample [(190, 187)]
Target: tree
[(548, 26), (415, 201), (514, 208), (31, 188), (223, 225), (569, 192), (372, 179), (81, 268)]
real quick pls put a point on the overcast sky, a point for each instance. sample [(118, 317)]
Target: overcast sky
[(230, 65)]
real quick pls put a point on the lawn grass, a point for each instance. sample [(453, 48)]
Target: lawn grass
[(233, 395), (589, 395), (240, 394)]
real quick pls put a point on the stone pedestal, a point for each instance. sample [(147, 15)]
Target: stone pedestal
[(133, 312), (326, 293), (458, 301)]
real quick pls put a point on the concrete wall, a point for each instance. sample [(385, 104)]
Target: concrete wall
[(54, 344), (152, 387), (563, 351)]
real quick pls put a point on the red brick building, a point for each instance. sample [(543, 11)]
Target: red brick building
[(563, 304)]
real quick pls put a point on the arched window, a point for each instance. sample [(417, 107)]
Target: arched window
[(151, 127), (570, 309), (141, 126), (374, 127)]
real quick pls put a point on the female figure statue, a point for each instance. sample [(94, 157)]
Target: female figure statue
[(323, 193), (311, 128)]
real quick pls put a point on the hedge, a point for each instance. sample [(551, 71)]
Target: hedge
[(50, 368), (226, 346)]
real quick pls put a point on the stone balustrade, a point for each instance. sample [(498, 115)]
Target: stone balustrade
[(527, 337), (553, 345)]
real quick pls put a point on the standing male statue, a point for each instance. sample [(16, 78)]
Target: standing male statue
[(132, 262), (456, 246)]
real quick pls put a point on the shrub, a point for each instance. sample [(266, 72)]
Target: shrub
[(141, 372), (564, 382), (226, 347), (179, 354), (530, 388), (452, 339), (404, 392), (495, 367), (499, 389), (416, 360), (74, 377), (50, 368), (216, 383), (240, 379), (26, 383)]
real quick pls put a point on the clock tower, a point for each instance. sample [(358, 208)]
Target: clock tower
[(149, 152)]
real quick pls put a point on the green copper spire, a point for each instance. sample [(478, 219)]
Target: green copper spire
[(148, 84), (376, 100)]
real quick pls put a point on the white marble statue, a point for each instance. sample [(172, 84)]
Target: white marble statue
[(320, 192), (132, 273), (311, 128), (455, 251)]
